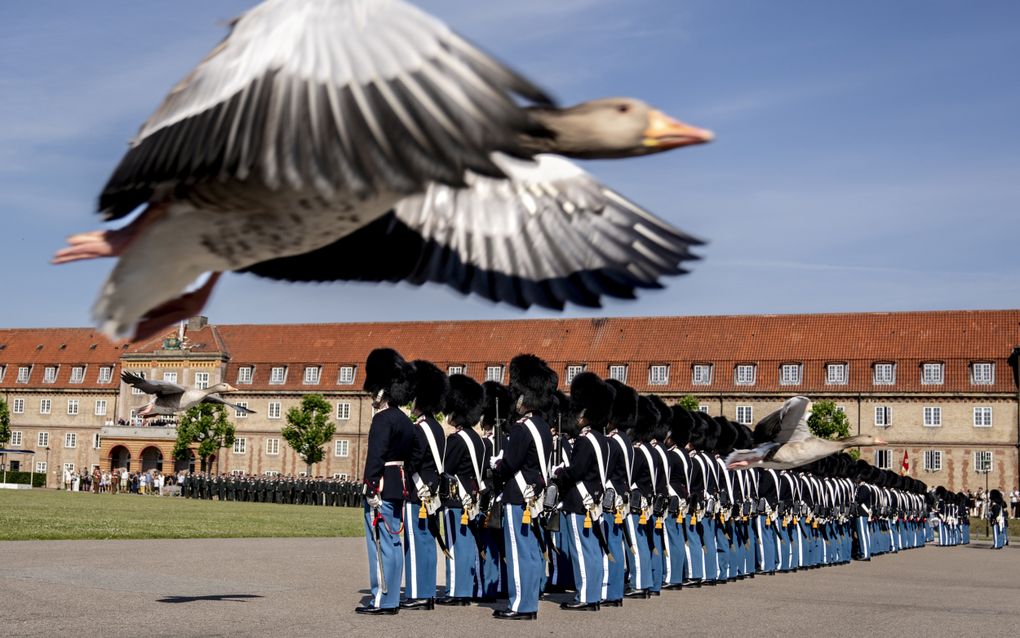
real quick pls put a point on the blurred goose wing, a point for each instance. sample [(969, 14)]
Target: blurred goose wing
[(550, 234), (788, 424), (349, 96), (159, 388)]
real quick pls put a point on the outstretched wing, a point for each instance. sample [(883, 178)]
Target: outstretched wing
[(548, 235), (159, 388), (351, 96), (215, 398), (788, 424)]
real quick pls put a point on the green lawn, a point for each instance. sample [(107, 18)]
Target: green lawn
[(55, 515)]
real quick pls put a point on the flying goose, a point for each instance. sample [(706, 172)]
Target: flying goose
[(785, 442), (170, 398), (329, 140)]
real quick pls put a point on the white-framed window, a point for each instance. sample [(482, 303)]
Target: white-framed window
[(703, 408), (982, 373), (883, 416), (983, 417), (3, 371), (244, 375), (40, 467), (42, 439), (347, 375), (837, 373), (49, 374), (70, 440), (744, 374), (933, 374), (573, 371), (16, 439), (240, 444), (78, 374), (343, 411), (933, 460), (105, 374), (983, 461), (341, 447), (271, 473), (24, 372), (135, 390), (72, 407), (237, 472), (18, 406), (170, 377), (494, 373), (97, 441), (618, 372), (883, 459), (658, 375), (789, 374), (100, 407), (241, 414), (45, 406), (341, 476), (884, 374), (272, 447), (701, 374), (201, 380), (135, 420), (274, 410), (452, 370), (932, 417), (841, 408), (312, 375), (69, 467), (745, 414), (278, 375)]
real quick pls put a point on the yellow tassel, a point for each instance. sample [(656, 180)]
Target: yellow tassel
[(658, 523), (464, 518), (643, 519), (618, 519), (587, 520), (814, 525), (422, 512), (679, 518), (744, 519), (796, 520), (526, 519), (694, 519)]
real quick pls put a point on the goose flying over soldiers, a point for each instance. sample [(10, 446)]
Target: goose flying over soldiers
[(170, 399), (327, 140)]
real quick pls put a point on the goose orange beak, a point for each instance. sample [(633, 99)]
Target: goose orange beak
[(879, 441), (664, 133)]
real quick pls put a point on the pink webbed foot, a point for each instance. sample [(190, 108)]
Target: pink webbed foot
[(93, 245), (184, 307)]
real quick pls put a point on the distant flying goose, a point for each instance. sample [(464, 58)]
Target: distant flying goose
[(785, 442), (170, 398), (362, 139)]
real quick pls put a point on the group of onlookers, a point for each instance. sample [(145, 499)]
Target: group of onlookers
[(117, 481), (980, 500)]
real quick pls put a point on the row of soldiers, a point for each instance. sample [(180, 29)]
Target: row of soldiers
[(951, 518), (605, 493), (254, 488)]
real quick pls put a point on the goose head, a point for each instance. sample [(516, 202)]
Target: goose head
[(613, 128), (220, 387), (862, 440)]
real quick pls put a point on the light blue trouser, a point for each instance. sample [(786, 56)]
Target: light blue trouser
[(999, 536), (588, 561), (419, 555), (524, 561), (767, 548), (392, 556), (462, 567), (724, 551), (657, 555), (696, 564), (561, 556), (492, 580), (613, 577), (639, 564), (675, 562), (751, 552)]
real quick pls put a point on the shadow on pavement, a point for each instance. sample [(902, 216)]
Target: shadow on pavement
[(234, 598)]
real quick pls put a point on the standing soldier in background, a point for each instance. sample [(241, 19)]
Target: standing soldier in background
[(390, 381), (618, 479), (998, 517), (497, 411), (640, 523)]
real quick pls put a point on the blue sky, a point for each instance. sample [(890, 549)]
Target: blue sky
[(867, 153)]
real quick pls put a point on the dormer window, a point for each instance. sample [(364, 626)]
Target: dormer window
[(701, 374), (745, 374), (452, 370), (23, 373), (50, 374), (278, 375), (837, 373), (982, 373), (494, 373), (884, 374), (244, 375), (618, 372), (933, 374), (790, 374), (105, 374), (78, 374), (658, 375), (312, 375), (573, 371), (346, 375)]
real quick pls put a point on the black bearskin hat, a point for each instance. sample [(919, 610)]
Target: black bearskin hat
[(705, 433), (592, 398), (430, 387), (386, 371), (497, 404), (727, 436), (624, 413), (532, 382), (681, 426), (559, 416), (995, 496), (647, 420), (665, 417), (464, 402), (745, 438)]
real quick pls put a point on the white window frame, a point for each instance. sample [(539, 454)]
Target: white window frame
[(16, 438), (343, 411), (105, 374), (745, 414), (346, 375), (837, 373), (170, 377), (272, 447), (69, 467), (77, 375), (275, 410), (985, 378), (931, 416), (100, 408), (885, 453), (790, 374), (745, 374), (278, 375), (73, 406), (883, 416), (70, 440), (494, 373), (97, 440), (45, 406), (24, 374), (18, 406), (312, 375), (701, 374), (452, 370), (341, 448), (240, 445), (881, 378), (201, 380), (984, 461), (50, 374), (42, 439), (3, 372), (341, 476), (618, 372), (240, 414), (703, 408), (658, 374), (41, 467), (932, 461), (982, 416), (245, 374), (573, 371), (933, 373)]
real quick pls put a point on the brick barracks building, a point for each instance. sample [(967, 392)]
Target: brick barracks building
[(939, 386)]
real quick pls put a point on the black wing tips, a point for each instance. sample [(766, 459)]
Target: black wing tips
[(131, 379)]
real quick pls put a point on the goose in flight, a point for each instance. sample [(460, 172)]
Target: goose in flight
[(170, 399), (327, 140), (784, 441)]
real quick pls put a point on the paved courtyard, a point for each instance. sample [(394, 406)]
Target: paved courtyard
[(309, 587)]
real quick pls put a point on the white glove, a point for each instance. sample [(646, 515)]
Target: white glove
[(494, 461), (588, 502), (556, 469), (424, 493), (373, 500)]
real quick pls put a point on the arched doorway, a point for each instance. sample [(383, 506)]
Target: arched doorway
[(186, 464), (152, 459), (120, 457)]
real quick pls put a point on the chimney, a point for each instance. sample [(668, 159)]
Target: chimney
[(197, 323)]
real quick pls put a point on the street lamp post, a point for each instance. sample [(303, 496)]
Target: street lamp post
[(47, 484)]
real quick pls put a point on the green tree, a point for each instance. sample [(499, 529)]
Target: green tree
[(309, 428), (207, 425), (689, 403), (5, 423), (828, 422)]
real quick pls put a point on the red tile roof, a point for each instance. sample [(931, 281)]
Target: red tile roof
[(62, 347)]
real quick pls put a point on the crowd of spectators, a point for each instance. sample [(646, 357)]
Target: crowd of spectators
[(117, 481)]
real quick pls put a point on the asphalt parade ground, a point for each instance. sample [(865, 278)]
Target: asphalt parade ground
[(309, 587)]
